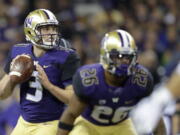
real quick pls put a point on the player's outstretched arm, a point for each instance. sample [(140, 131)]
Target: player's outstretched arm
[(6, 87), (173, 84), (61, 94), (74, 109), (149, 110)]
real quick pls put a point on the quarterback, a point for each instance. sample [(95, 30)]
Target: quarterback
[(42, 99), (105, 92)]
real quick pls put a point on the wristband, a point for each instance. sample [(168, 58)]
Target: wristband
[(65, 126)]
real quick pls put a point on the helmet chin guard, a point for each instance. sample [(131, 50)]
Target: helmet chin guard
[(121, 70)]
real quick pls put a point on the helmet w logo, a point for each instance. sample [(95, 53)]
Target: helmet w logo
[(28, 21)]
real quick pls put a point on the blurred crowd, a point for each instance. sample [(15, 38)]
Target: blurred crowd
[(155, 25)]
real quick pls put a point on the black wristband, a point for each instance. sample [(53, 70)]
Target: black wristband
[(65, 126)]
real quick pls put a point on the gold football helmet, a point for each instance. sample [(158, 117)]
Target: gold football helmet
[(33, 23), (118, 44)]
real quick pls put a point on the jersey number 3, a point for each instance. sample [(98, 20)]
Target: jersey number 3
[(38, 89)]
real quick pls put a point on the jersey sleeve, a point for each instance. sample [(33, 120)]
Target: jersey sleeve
[(70, 66), (79, 88), (145, 78), (8, 62), (13, 52), (150, 84)]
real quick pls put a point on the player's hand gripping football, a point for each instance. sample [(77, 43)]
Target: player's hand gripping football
[(21, 68), (43, 77)]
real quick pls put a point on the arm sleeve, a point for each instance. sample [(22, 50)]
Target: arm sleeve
[(79, 89), (70, 66)]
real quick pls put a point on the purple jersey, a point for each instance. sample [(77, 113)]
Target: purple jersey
[(37, 103), (108, 105)]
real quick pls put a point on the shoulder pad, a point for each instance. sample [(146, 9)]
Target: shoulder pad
[(64, 45), (139, 67)]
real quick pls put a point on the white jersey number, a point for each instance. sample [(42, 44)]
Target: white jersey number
[(36, 85), (117, 115)]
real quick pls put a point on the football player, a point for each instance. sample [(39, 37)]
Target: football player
[(42, 99), (105, 92), (149, 110)]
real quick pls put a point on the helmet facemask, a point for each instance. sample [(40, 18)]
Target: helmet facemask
[(116, 65), (47, 40)]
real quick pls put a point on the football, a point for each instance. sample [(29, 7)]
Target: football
[(21, 68)]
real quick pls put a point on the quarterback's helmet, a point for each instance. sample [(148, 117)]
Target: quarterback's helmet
[(118, 44), (34, 21)]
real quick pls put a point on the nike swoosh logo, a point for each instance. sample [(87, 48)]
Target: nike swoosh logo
[(46, 66)]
